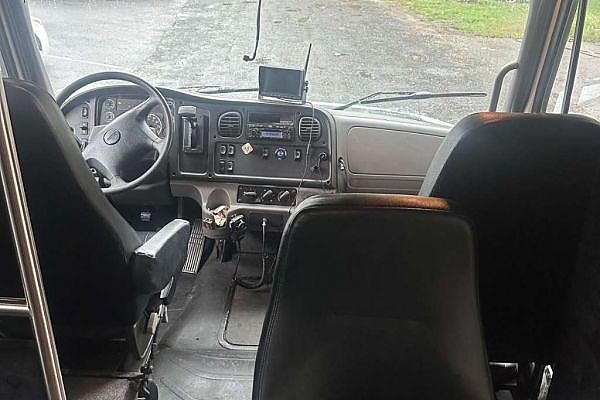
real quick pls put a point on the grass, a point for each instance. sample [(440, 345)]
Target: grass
[(591, 30), (492, 18)]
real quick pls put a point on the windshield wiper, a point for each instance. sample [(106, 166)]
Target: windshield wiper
[(211, 89), (374, 98)]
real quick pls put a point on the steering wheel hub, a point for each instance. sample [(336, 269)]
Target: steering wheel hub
[(112, 136), (112, 147)]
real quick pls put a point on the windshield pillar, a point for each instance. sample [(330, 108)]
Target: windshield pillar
[(20, 55)]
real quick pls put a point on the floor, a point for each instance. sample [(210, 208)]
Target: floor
[(206, 351), (209, 347), (21, 379)]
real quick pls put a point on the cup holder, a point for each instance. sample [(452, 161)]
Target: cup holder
[(217, 198)]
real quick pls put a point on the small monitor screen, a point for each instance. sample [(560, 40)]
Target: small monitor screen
[(280, 82)]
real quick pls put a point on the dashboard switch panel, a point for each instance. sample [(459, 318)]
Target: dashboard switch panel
[(269, 195)]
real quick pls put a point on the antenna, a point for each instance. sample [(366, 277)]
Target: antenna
[(305, 84), (307, 57)]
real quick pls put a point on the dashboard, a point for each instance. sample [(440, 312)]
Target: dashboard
[(263, 158)]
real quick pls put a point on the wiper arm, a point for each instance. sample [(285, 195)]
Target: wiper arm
[(374, 98), (218, 89)]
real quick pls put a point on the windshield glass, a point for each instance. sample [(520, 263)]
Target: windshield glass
[(358, 46)]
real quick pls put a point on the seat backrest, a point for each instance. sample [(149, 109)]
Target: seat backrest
[(83, 243), (374, 296), (577, 366), (524, 180)]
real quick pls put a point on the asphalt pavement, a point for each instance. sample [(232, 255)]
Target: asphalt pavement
[(359, 47)]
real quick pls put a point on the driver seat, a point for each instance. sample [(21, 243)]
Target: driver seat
[(98, 272)]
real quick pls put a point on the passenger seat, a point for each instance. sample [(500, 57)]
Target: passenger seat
[(525, 181), (374, 296)]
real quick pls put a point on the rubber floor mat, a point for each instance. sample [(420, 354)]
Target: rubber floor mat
[(192, 362), (246, 315)]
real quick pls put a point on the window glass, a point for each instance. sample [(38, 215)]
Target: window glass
[(585, 98), (359, 46)]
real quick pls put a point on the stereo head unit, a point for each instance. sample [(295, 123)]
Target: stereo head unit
[(273, 126)]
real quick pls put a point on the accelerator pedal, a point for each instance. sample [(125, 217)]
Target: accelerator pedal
[(194, 249)]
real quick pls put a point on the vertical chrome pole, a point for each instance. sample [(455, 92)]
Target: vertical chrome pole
[(26, 252)]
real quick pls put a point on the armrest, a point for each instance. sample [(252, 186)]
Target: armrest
[(159, 259)]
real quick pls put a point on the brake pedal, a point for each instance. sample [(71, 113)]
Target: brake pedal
[(194, 249)]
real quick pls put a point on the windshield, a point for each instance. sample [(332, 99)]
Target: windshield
[(358, 46)]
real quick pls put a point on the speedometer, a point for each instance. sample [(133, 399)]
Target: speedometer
[(156, 124)]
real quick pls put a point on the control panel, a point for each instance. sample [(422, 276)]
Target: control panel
[(266, 195), (272, 160), (255, 144), (84, 128)]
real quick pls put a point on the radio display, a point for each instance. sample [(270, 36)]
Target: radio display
[(271, 134), (270, 118)]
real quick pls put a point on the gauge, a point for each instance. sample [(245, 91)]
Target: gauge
[(109, 116), (155, 123), (109, 104)]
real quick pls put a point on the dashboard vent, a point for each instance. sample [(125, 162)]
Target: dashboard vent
[(309, 126), (230, 124)]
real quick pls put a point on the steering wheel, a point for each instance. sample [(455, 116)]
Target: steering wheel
[(126, 137)]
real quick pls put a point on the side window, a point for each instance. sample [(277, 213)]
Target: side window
[(585, 97)]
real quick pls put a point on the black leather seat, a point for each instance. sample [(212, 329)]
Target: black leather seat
[(577, 368), (525, 181), (97, 271), (374, 296)]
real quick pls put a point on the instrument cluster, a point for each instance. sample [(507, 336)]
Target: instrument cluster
[(112, 107)]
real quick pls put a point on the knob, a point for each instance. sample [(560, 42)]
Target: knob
[(283, 196), (267, 195), (280, 153)]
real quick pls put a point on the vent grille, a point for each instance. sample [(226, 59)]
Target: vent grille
[(309, 126), (230, 124)]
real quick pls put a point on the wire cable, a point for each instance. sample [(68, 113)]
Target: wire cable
[(254, 282), (307, 156), (247, 57)]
